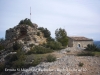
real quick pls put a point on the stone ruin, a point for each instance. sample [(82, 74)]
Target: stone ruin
[(25, 35)]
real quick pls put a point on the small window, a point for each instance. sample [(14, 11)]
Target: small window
[(79, 45)]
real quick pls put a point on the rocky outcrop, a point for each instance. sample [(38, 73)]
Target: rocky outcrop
[(24, 34)]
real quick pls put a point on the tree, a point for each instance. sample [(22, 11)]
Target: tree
[(26, 21), (45, 31), (61, 36), (54, 45)]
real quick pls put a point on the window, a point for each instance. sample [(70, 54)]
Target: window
[(79, 45)]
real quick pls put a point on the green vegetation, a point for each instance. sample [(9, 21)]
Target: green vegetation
[(51, 58), (50, 39), (31, 45), (91, 47), (39, 53), (38, 33), (45, 31), (86, 54), (35, 59), (61, 36), (54, 45), (11, 58), (2, 66), (96, 53), (15, 60), (26, 21), (36, 62), (80, 64), (39, 50), (68, 51), (1, 47), (18, 64), (91, 50), (16, 46)]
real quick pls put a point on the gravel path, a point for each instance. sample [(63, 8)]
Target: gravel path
[(66, 65)]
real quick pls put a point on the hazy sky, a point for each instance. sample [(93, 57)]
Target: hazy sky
[(77, 17)]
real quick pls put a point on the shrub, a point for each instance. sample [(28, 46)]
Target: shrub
[(1, 47), (11, 57), (2, 66), (38, 33), (35, 62), (14, 60), (16, 46), (21, 55), (54, 45), (86, 54), (50, 39), (91, 47), (18, 64), (68, 51), (80, 64), (31, 45), (45, 31), (39, 50), (51, 58), (26, 21)]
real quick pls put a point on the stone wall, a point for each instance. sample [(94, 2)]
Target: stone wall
[(70, 42), (25, 35), (78, 43), (83, 44)]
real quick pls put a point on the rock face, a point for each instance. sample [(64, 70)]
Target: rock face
[(25, 35)]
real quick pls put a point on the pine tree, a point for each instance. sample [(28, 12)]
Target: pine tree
[(61, 36)]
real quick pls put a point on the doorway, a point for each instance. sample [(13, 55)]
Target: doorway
[(79, 45)]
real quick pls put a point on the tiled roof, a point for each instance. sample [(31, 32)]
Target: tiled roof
[(81, 39)]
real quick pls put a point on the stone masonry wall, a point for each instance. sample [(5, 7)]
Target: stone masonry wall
[(82, 43), (24, 34)]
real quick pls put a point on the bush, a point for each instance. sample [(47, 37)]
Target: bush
[(18, 64), (26, 21), (14, 60), (54, 45), (2, 66), (50, 39), (45, 31), (39, 50), (11, 57), (21, 55), (38, 33), (80, 64), (16, 46), (1, 47), (51, 58), (31, 45), (91, 47), (35, 62), (68, 51), (86, 54)]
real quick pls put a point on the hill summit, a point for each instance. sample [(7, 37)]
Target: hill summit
[(25, 35)]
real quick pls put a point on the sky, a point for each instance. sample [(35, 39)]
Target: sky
[(77, 17)]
